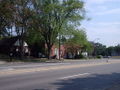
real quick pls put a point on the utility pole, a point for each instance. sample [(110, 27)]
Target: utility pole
[(59, 46)]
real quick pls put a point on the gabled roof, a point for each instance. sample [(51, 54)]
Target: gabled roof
[(17, 43)]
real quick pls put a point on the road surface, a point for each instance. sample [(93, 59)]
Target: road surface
[(91, 76)]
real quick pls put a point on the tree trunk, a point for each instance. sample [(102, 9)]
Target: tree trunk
[(21, 49), (49, 51), (59, 48), (22, 44)]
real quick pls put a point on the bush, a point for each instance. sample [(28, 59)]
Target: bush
[(99, 56), (79, 56)]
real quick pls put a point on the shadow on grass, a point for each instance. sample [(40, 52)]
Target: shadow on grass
[(93, 82), (29, 60), (24, 60), (7, 58)]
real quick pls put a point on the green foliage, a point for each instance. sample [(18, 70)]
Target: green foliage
[(79, 56), (113, 51), (34, 36), (52, 15), (78, 37), (88, 47), (78, 40), (41, 20), (99, 56), (6, 17), (99, 49)]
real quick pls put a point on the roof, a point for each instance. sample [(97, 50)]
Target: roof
[(17, 43), (13, 41)]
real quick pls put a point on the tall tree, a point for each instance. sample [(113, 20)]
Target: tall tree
[(22, 17), (52, 15), (77, 42)]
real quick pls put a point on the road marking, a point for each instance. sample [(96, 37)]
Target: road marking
[(73, 76)]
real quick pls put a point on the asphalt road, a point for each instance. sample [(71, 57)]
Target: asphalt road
[(99, 77)]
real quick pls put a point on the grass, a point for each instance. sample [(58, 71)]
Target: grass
[(6, 58), (34, 60)]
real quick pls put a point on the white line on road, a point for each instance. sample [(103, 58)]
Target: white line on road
[(73, 76)]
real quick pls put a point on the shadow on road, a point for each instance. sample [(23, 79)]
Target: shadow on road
[(93, 82)]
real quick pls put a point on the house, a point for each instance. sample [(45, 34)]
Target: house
[(55, 51), (8, 45), (64, 52)]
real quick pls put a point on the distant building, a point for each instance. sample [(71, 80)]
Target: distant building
[(65, 53)]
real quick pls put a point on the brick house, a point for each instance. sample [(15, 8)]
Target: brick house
[(55, 51)]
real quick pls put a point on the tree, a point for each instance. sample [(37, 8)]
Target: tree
[(117, 50), (6, 17), (99, 49), (113, 50), (46, 17), (52, 15), (77, 42), (22, 17), (15, 19)]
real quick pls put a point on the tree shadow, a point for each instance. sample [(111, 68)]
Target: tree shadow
[(92, 82)]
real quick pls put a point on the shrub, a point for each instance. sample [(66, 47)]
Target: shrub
[(99, 56)]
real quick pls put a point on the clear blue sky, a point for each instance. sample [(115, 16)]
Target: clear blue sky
[(104, 26)]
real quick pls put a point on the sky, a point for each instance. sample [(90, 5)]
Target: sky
[(104, 23)]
